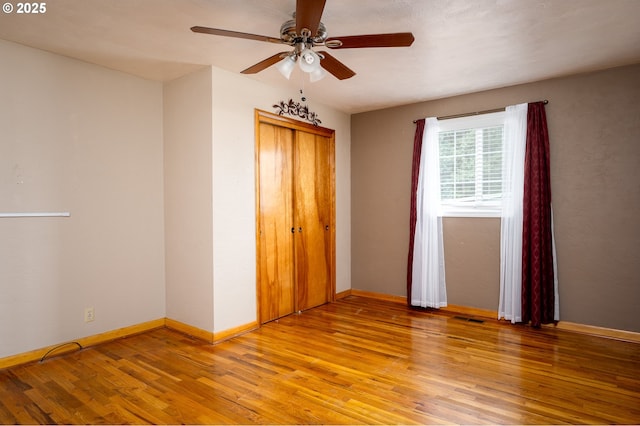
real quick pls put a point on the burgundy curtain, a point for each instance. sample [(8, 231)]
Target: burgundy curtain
[(537, 252), (415, 169)]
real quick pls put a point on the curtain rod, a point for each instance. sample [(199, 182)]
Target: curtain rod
[(469, 114)]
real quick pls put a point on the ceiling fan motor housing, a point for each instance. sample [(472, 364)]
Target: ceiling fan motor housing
[(289, 36)]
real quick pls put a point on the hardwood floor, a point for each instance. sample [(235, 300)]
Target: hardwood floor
[(356, 361)]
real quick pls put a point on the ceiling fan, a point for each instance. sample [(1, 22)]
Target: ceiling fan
[(303, 33)]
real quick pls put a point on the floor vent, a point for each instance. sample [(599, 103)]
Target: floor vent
[(477, 321)]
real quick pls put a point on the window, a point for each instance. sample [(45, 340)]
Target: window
[(470, 154)]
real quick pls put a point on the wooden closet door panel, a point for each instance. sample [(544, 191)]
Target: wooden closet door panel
[(276, 266), (312, 209)]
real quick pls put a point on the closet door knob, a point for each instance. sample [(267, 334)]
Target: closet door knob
[(293, 230), (300, 229), (326, 228)]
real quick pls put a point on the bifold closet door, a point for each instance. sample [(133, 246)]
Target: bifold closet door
[(312, 217), (295, 216), (276, 260)]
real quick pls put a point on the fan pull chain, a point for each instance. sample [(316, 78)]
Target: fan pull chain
[(303, 98)]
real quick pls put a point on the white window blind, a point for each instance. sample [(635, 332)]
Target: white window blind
[(470, 154)]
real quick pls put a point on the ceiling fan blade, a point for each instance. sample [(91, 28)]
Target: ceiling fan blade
[(372, 40), (308, 15), (264, 64), (335, 67), (235, 34)]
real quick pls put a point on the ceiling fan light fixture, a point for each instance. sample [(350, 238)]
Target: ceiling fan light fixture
[(309, 61), (317, 75), (286, 66)]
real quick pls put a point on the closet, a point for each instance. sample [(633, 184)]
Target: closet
[(295, 215)]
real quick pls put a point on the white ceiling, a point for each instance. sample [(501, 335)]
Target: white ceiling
[(461, 46)]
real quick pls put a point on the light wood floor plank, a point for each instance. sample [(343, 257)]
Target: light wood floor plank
[(356, 361)]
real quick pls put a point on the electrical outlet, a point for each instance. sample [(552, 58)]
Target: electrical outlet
[(89, 314)]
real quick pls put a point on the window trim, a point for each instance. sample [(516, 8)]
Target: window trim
[(482, 209)]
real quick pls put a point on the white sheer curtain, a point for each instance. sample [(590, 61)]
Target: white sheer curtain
[(514, 146), (556, 306), (429, 285)]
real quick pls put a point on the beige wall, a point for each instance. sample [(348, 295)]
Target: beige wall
[(79, 138), (210, 195), (594, 128), (188, 205), (138, 164), (235, 97)]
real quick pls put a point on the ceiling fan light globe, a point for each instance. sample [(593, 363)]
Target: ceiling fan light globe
[(309, 60), (317, 74), (285, 66)]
